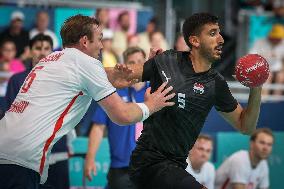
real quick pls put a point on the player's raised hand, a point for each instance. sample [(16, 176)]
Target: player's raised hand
[(119, 76), (159, 99)]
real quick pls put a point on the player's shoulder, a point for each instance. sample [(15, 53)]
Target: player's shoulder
[(168, 53), (209, 167), (170, 56), (263, 165), (175, 53), (78, 56), (218, 77), (240, 157)]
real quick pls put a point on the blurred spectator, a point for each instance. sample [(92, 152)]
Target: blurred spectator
[(109, 58), (278, 7), (133, 41), (8, 58), (42, 22), (120, 36), (272, 48), (16, 32), (180, 44), (198, 161), (258, 5), (144, 37), (103, 17), (157, 40), (122, 139), (40, 46), (248, 169)]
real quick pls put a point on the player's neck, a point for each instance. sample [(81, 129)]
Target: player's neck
[(78, 47), (199, 63), (195, 167), (254, 161)]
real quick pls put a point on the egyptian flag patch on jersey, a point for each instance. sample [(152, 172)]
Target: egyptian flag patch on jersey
[(198, 88)]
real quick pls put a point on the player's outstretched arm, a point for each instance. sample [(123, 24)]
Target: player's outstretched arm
[(128, 113), (122, 75), (245, 119)]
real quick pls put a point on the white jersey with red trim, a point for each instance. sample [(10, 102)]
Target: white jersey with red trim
[(237, 169), (205, 176), (51, 102)]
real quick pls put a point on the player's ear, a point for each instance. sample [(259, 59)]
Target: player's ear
[(194, 41), (83, 40)]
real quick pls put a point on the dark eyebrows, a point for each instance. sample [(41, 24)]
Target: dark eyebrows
[(214, 30)]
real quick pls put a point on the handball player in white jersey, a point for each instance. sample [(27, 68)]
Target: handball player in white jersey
[(198, 161), (247, 169), (55, 96)]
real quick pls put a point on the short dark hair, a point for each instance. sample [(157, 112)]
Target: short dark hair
[(42, 12), (261, 130), (193, 24), (7, 40), (131, 50), (40, 37), (205, 137), (154, 21), (76, 27)]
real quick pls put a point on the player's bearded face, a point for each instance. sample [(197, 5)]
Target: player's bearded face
[(208, 52), (211, 42)]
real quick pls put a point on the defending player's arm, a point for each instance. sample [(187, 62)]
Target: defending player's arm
[(124, 113), (95, 139), (122, 75), (153, 101)]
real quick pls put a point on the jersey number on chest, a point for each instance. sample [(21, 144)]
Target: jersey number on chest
[(181, 100)]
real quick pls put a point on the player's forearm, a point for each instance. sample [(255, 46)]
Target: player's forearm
[(95, 139), (129, 113), (249, 116)]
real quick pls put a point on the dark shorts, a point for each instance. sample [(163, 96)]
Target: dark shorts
[(159, 173), (118, 178), (17, 177), (58, 176)]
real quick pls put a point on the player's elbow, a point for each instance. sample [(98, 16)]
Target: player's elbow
[(246, 130)]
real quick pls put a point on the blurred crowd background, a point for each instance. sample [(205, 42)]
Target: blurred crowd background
[(248, 26)]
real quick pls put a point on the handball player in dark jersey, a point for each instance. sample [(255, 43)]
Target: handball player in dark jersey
[(159, 159)]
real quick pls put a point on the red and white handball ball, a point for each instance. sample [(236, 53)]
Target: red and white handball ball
[(252, 70)]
